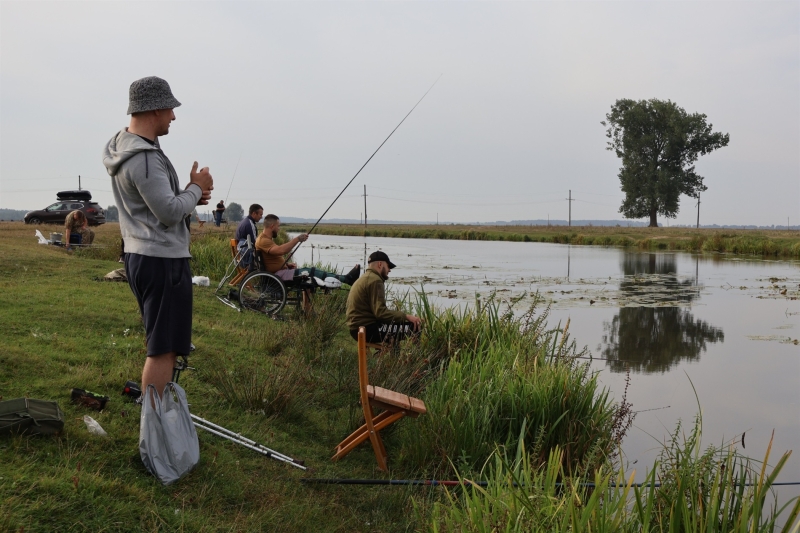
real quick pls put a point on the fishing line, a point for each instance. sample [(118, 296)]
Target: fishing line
[(360, 169), (233, 178)]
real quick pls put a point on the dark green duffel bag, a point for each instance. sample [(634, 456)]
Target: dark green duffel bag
[(26, 416)]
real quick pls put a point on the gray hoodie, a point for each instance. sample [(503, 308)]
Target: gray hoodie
[(152, 205)]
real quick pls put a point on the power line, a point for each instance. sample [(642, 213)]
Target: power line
[(461, 203), (45, 190)]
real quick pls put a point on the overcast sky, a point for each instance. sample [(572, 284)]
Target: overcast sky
[(300, 94)]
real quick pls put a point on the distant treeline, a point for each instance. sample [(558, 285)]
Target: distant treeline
[(537, 222), (750, 242), (112, 214), (12, 214)]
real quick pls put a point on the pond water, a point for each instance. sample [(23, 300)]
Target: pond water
[(727, 325)]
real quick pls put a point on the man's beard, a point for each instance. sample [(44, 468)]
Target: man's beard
[(274, 234)]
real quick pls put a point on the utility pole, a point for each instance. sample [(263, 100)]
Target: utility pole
[(79, 182), (570, 206), (698, 210), (365, 204)]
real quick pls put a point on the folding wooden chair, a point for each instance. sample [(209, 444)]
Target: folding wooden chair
[(241, 272), (394, 405)]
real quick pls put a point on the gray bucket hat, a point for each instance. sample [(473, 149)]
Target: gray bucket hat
[(149, 94)]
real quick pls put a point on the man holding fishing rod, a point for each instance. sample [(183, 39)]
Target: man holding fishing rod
[(154, 215), (272, 255)]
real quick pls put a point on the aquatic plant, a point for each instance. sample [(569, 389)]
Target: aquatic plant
[(686, 490), (482, 373)]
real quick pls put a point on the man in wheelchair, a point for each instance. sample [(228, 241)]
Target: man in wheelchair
[(272, 256)]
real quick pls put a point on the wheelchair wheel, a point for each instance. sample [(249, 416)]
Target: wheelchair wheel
[(262, 292)]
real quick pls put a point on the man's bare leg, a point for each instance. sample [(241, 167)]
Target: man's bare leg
[(158, 371)]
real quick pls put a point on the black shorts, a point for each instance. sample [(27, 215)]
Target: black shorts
[(380, 333), (163, 288)]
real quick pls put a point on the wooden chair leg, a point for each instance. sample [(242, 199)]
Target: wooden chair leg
[(238, 278), (379, 449), (361, 434)]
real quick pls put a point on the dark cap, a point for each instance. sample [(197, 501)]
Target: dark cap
[(150, 94), (380, 256)]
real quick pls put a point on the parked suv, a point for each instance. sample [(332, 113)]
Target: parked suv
[(68, 201)]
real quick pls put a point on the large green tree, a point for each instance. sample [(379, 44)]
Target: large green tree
[(659, 144), (234, 212)]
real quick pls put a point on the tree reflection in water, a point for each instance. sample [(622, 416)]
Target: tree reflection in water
[(654, 339)]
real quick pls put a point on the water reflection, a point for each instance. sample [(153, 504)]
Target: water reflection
[(659, 332)]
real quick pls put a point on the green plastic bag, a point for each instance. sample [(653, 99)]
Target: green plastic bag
[(27, 416)]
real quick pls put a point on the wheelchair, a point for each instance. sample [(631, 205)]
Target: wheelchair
[(264, 292)]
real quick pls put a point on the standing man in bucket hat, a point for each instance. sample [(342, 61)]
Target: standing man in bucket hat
[(154, 213), (366, 305)]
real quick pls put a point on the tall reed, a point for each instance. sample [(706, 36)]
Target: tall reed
[(687, 490), (484, 372)]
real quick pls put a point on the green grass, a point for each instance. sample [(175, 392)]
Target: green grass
[(291, 385), (767, 243)]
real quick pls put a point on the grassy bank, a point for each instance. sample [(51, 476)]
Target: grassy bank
[(767, 243), (487, 377), (289, 384)]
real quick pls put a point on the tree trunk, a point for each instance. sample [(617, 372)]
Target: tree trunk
[(653, 221)]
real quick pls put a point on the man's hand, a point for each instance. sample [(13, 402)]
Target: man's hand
[(203, 180), (415, 321), (205, 198), (303, 237)]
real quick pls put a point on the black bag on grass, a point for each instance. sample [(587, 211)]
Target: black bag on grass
[(26, 416)]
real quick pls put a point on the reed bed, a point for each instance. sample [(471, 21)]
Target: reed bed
[(686, 490), (483, 372)]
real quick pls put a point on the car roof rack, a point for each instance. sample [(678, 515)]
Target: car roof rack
[(74, 195)]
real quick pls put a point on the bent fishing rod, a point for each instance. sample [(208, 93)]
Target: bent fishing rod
[(359, 171)]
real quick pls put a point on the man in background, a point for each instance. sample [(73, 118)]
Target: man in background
[(154, 216), (218, 213), (76, 230), (248, 228), (366, 306)]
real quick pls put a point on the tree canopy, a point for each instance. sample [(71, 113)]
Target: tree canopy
[(235, 212), (659, 144)]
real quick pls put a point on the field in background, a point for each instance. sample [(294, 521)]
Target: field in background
[(770, 243)]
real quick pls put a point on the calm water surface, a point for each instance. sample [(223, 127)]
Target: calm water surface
[(729, 326)]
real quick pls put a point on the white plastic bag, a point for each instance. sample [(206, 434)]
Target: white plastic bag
[(168, 441), (202, 281), (93, 426)]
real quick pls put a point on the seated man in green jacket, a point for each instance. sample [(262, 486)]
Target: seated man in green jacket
[(366, 305)]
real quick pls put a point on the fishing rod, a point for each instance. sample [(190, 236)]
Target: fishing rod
[(359, 171), (455, 483)]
